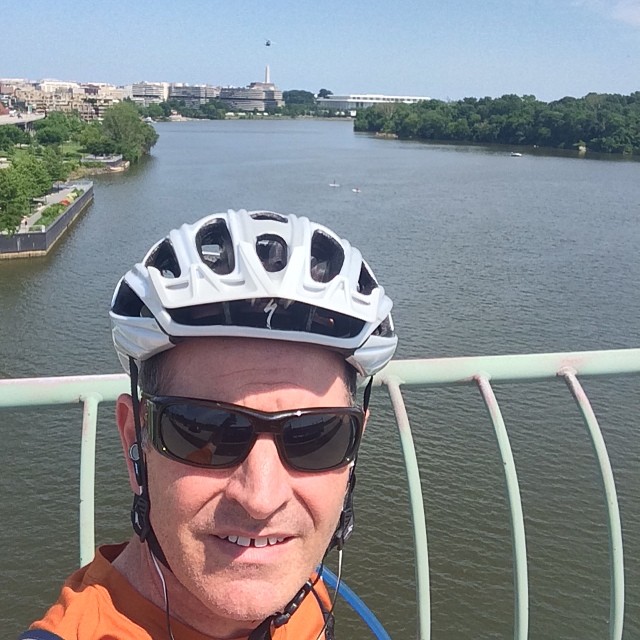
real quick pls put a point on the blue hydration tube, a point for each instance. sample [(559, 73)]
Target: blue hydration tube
[(356, 604)]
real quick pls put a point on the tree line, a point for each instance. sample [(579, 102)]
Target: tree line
[(297, 102), (607, 123), (52, 151), (210, 110)]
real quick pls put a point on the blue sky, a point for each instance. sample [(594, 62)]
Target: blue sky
[(445, 49)]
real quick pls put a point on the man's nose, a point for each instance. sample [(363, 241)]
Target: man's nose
[(261, 484)]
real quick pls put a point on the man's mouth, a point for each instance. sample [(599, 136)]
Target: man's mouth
[(241, 541)]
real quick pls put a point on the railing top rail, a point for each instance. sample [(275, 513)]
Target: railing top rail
[(18, 392), (23, 392), (520, 367)]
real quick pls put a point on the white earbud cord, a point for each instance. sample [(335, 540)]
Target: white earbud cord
[(335, 595), (166, 594)]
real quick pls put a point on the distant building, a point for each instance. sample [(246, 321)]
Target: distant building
[(352, 102), (88, 100), (258, 96), (56, 86), (146, 93), (193, 95)]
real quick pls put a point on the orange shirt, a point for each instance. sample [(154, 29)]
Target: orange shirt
[(98, 603)]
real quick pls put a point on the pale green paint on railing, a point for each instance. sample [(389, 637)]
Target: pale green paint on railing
[(510, 368), (616, 614), (520, 580), (91, 390), (423, 593), (26, 392), (88, 476)]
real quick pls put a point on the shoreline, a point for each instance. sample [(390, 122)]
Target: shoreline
[(507, 149), (83, 171), (253, 116), (29, 243)]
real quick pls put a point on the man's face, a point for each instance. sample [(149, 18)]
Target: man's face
[(195, 511)]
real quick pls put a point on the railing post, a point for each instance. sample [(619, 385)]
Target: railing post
[(417, 509), (520, 573), (616, 555), (87, 476)]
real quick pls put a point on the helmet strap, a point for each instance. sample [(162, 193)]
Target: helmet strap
[(367, 394), (263, 630), (141, 508), (347, 516)]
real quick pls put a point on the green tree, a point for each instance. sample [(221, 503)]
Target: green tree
[(93, 140), (14, 198), (371, 119), (324, 93), (54, 129), (58, 127), (155, 111), (10, 136), (458, 130), (130, 135), (166, 109), (299, 97), (54, 164), (213, 110), (32, 172)]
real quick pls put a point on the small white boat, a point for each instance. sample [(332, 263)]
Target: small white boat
[(516, 154), (334, 184), (356, 190)]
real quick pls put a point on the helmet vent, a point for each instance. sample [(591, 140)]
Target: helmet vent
[(366, 282), (327, 257), (215, 247), (164, 260), (272, 251), (385, 328), (269, 215), (283, 315), (127, 303)]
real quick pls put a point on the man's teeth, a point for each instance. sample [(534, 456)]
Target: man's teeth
[(253, 542)]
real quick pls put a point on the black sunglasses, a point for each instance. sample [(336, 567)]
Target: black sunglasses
[(216, 435)]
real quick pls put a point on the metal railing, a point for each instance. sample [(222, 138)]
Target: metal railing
[(479, 371)]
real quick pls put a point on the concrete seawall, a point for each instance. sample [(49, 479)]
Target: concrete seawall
[(39, 243)]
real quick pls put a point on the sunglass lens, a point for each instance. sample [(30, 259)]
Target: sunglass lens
[(319, 442), (204, 436)]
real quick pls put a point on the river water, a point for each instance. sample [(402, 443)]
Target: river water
[(482, 253)]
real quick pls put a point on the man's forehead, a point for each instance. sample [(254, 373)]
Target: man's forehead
[(235, 348), (245, 362)]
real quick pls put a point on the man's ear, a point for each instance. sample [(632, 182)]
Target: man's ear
[(127, 431)]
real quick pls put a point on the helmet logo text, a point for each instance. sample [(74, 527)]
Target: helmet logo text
[(270, 309)]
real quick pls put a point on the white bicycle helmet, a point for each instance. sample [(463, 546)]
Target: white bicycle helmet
[(254, 274)]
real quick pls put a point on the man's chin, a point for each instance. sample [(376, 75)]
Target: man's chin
[(252, 602)]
